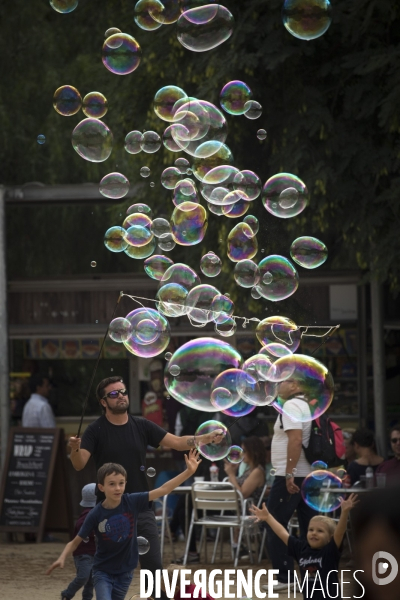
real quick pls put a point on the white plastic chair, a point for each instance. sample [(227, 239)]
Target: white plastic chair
[(163, 519)]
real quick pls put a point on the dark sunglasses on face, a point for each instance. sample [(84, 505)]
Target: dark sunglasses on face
[(395, 440), (115, 393)]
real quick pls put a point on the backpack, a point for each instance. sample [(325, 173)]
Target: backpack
[(326, 442)]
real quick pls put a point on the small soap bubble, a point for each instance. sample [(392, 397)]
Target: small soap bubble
[(133, 142), (143, 545), (111, 31), (64, 6), (306, 19), (145, 172), (253, 110), (294, 471), (151, 142), (174, 370), (234, 96), (93, 263), (262, 134), (235, 455), (272, 472), (41, 139), (152, 184), (121, 54), (67, 101), (151, 472), (95, 105), (142, 468), (182, 164), (255, 293), (167, 355), (267, 278), (120, 329)]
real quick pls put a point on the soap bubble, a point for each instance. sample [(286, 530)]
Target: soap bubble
[(199, 302), (241, 243), (308, 252), (235, 455), (133, 142), (221, 398), (138, 236), (258, 366), (272, 472), (254, 294), (222, 308), (236, 210), (145, 172), (151, 142), (255, 391), (321, 469), (248, 184), (67, 100), (93, 263), (150, 332), (276, 350), (171, 299), (170, 13), (315, 491), (156, 265), (210, 264), (121, 54), (160, 227), (206, 27), (41, 139), (252, 221), (170, 177), (137, 219), (181, 274), (167, 355), (140, 252), (211, 450), (267, 278), (142, 468), (95, 105), (307, 19), (221, 174), (145, 13), (285, 195), (143, 545), (229, 380), (165, 100), (246, 273), (166, 242), (114, 185), (202, 165), (226, 328), (64, 6), (313, 378), (189, 224), (169, 141), (185, 192), (120, 329), (279, 329), (151, 472), (114, 239), (252, 110), (92, 140), (182, 164), (140, 208), (285, 279), (111, 31), (200, 361), (234, 96), (174, 370), (262, 134)]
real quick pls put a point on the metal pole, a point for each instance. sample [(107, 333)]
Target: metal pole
[(4, 375), (378, 363)]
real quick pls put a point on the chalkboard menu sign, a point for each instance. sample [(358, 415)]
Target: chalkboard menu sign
[(34, 492)]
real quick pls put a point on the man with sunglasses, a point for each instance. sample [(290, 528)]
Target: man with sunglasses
[(392, 466), (121, 438)]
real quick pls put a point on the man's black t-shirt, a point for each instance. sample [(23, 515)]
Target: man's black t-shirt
[(321, 560), (125, 445)]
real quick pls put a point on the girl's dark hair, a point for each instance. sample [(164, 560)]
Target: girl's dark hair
[(104, 383), (110, 469), (364, 438), (256, 450)]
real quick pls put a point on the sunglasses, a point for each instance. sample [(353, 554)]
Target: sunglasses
[(115, 393), (395, 440)]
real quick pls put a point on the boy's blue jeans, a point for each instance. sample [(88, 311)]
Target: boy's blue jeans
[(83, 564), (111, 587)]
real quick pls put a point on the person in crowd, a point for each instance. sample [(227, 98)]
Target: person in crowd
[(318, 556), (114, 521), (84, 553), (37, 411), (291, 467), (119, 437), (391, 467), (363, 442), (350, 453)]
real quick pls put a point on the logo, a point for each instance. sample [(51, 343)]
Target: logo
[(380, 568)]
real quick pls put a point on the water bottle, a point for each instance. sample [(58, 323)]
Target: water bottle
[(369, 475), (214, 472)]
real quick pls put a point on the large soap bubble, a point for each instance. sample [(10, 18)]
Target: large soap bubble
[(199, 303), (189, 224), (229, 380), (181, 274), (285, 195), (248, 184), (212, 450), (156, 265), (94, 105), (222, 308), (133, 142), (241, 243), (120, 329), (210, 264), (148, 14), (234, 96), (278, 278), (114, 185), (307, 19), (279, 329), (64, 6), (67, 100), (114, 239), (140, 252), (150, 142), (171, 300), (121, 54), (92, 140), (315, 491), (150, 332), (246, 273), (235, 455), (206, 27), (200, 362), (165, 101), (308, 252), (254, 391), (203, 164)]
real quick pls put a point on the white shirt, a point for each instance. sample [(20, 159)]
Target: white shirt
[(38, 413), (296, 407)]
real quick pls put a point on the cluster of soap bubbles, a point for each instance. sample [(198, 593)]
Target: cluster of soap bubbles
[(217, 451), (236, 99)]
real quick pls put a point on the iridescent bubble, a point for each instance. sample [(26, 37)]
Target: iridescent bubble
[(140, 208), (277, 350), (114, 239), (137, 219), (120, 329), (143, 545), (253, 223), (255, 391), (252, 110), (267, 278), (185, 193), (166, 242), (174, 370), (114, 185), (93, 263), (212, 451), (133, 142), (315, 383), (182, 274), (151, 472), (229, 380), (171, 299), (233, 211), (167, 355), (145, 14), (200, 361), (41, 139), (92, 140), (235, 455), (246, 273), (169, 141), (64, 6), (221, 398), (254, 294), (222, 174), (145, 172), (140, 252), (170, 177), (160, 227), (216, 210), (150, 332), (308, 252), (320, 469), (262, 134), (234, 96), (199, 302), (258, 366), (95, 105), (121, 54), (279, 329), (248, 184), (156, 265), (201, 166), (206, 27), (285, 195), (240, 409), (315, 491), (307, 19), (111, 31), (227, 328), (138, 236), (285, 279), (67, 100), (165, 100), (151, 142), (222, 308), (210, 264), (241, 243), (182, 164), (189, 224)]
